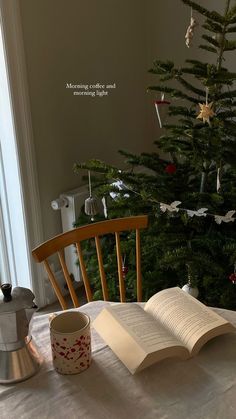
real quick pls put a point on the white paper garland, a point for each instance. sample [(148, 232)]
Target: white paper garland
[(174, 206), (171, 208), (227, 218), (199, 213)]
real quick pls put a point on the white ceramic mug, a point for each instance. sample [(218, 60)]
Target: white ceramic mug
[(70, 342)]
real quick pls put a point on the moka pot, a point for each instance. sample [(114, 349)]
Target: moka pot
[(19, 358)]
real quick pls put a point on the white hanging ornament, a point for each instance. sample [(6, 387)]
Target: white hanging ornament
[(190, 30), (193, 291), (104, 207), (91, 205), (161, 109)]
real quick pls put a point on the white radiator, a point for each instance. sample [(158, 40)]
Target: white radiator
[(70, 203)]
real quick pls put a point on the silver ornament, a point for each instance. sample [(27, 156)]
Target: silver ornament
[(193, 291), (91, 206)]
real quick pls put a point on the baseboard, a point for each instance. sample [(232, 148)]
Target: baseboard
[(50, 295)]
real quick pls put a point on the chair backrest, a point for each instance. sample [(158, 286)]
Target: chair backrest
[(75, 236)]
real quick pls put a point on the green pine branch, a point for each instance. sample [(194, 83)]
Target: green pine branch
[(175, 93), (212, 26), (226, 95), (231, 13), (182, 110), (211, 40), (229, 45), (190, 86), (208, 48), (231, 29), (212, 15)]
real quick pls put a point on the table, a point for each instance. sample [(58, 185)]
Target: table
[(202, 387)]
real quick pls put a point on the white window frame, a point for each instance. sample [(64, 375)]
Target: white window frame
[(20, 107)]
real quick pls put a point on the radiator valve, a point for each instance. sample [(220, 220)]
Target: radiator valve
[(59, 203)]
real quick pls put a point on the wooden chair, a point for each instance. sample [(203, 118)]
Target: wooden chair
[(75, 236)]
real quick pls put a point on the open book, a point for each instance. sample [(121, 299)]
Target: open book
[(171, 324)]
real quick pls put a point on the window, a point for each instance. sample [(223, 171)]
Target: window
[(14, 255), (20, 216)]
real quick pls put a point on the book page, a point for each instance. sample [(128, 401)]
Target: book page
[(149, 333), (185, 317), (119, 340), (135, 337)]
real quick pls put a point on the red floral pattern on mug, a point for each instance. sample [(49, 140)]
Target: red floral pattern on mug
[(71, 354), (80, 348)]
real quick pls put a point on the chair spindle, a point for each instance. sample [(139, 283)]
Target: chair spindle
[(84, 273), (138, 266), (119, 263), (55, 285), (101, 269), (68, 278)]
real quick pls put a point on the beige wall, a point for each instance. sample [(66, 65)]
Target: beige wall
[(107, 41), (83, 42)]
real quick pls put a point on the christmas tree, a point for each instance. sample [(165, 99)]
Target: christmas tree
[(190, 194)]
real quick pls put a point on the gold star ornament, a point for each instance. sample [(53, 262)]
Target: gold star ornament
[(206, 112)]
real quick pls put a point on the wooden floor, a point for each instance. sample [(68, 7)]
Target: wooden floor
[(56, 306)]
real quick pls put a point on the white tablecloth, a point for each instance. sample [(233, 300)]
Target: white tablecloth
[(202, 387)]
